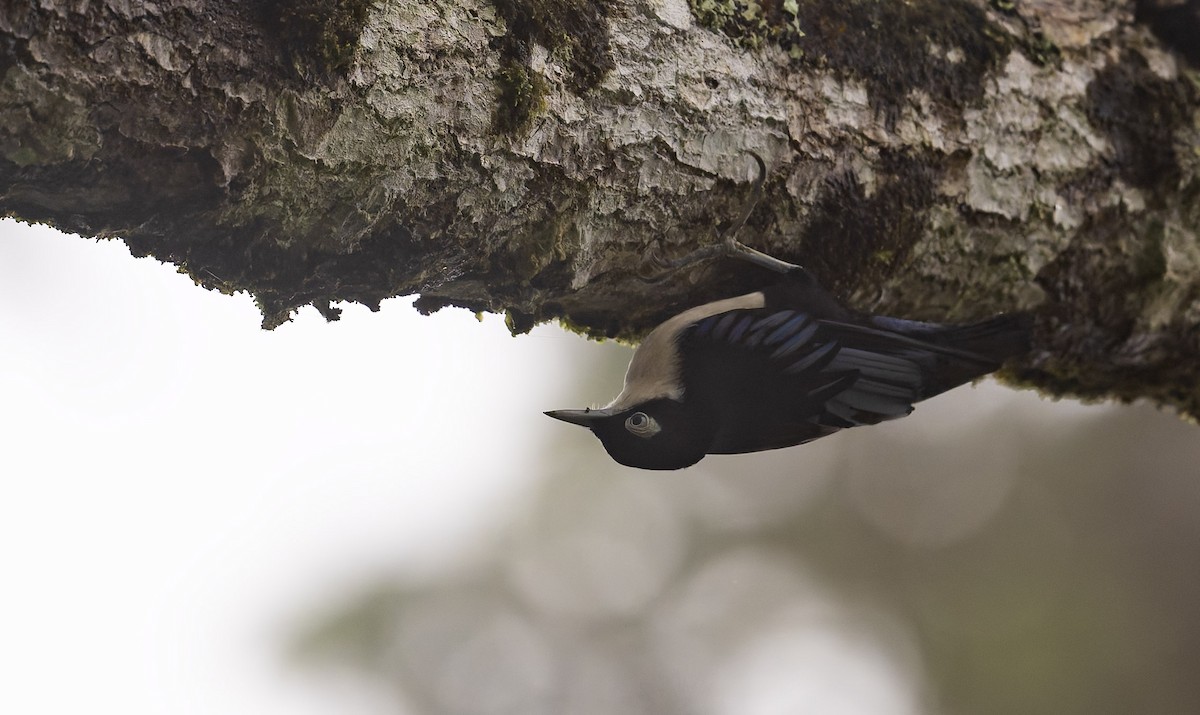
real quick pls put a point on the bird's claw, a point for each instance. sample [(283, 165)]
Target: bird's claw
[(654, 267), (727, 245), (736, 249), (665, 266)]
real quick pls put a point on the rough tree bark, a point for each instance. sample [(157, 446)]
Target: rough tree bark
[(941, 159)]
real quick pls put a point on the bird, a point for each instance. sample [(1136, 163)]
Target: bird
[(783, 366)]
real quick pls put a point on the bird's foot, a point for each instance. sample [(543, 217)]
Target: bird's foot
[(736, 249), (655, 267)]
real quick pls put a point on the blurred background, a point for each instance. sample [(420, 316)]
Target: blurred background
[(373, 516)]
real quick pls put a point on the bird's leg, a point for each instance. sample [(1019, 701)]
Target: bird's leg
[(728, 245), (736, 249), (655, 268)]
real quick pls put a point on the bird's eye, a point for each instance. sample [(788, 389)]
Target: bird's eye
[(642, 425)]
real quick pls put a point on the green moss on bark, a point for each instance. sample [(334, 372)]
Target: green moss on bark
[(522, 96), (317, 35), (575, 32), (751, 23)]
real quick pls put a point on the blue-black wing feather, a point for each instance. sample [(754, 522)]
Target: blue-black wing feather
[(772, 378)]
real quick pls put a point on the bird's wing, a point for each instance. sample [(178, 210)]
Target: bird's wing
[(778, 378)]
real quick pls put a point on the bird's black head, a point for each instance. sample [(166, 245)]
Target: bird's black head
[(659, 434)]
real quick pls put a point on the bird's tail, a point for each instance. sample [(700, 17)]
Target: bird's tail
[(965, 352), (996, 339)]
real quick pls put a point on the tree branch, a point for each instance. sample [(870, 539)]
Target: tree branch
[(933, 159)]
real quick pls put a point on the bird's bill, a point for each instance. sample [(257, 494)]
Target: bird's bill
[(583, 418)]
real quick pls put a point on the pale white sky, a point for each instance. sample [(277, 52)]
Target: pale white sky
[(177, 485)]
